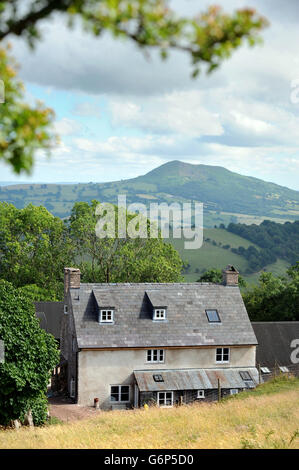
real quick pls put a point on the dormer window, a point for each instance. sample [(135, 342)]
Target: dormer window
[(159, 314), (106, 316)]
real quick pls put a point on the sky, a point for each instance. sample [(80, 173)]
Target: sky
[(120, 113)]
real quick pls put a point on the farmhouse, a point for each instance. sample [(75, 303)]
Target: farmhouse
[(125, 345)]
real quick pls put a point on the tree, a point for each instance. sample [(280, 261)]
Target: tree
[(34, 248), (274, 298), (211, 275), (30, 355), (120, 259), (209, 38)]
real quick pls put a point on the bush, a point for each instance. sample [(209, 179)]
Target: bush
[(30, 355)]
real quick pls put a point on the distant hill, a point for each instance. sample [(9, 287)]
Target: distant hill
[(227, 196)]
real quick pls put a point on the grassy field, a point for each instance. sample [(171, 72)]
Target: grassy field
[(267, 417)]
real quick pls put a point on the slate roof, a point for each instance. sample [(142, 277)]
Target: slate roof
[(50, 315), (194, 379), (186, 323), (274, 340)]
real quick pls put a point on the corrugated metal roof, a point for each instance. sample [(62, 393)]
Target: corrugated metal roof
[(194, 379), (274, 342)]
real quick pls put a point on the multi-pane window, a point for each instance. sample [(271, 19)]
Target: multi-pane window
[(155, 355), (222, 355), (284, 369), (247, 379), (265, 370), (200, 393), (158, 378), (213, 316), (245, 375), (234, 391), (159, 314), (165, 398), (106, 316), (120, 393)]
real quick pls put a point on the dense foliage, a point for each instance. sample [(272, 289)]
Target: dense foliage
[(275, 240), (275, 298), (30, 356), (34, 248)]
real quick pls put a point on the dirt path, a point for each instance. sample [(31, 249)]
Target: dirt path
[(65, 410)]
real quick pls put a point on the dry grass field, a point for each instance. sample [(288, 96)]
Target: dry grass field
[(267, 417)]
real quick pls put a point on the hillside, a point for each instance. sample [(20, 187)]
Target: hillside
[(227, 196), (264, 418), (222, 247)]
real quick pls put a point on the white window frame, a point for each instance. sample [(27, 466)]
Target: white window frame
[(119, 394), (160, 314), (265, 370), (65, 309), (160, 352), (284, 369), (234, 391), (221, 361), (107, 311), (164, 393), (200, 394)]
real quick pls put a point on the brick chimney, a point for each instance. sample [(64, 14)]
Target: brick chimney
[(230, 276), (71, 279)]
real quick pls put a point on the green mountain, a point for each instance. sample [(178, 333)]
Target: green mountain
[(227, 196)]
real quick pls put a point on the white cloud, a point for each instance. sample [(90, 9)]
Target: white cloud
[(177, 112), (66, 127)]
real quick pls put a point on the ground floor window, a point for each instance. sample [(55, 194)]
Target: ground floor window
[(165, 398), (200, 393), (120, 393), (234, 391)]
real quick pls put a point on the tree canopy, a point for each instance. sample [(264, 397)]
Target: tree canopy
[(208, 38), (275, 298), (118, 259), (34, 248)]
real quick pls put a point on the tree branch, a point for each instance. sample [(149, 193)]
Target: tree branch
[(18, 27)]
